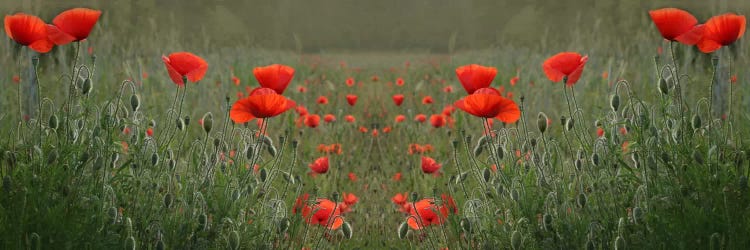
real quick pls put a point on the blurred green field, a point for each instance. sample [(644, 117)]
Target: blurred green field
[(85, 190)]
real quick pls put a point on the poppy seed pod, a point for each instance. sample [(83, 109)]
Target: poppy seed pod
[(541, 122), (414, 196), (135, 102), (87, 86), (335, 196), (263, 175), (154, 159), (187, 120), (208, 122), (614, 102), (581, 200), (346, 228), (402, 230), (516, 240), (478, 149)]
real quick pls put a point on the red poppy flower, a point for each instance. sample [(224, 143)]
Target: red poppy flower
[(301, 110), (375, 78), (488, 103), (564, 64), (300, 202), (475, 76), (349, 118), (676, 25), (397, 176), (274, 76), (398, 99), (235, 80), (328, 118), (420, 118), (427, 100), (17, 79), (349, 198), (399, 118), (399, 198), (72, 25), (322, 100), (362, 129), (424, 215), (387, 129), (437, 120), (28, 30), (301, 89), (429, 165), (448, 89), (720, 31), (400, 81), (351, 99), (185, 64), (320, 165), (149, 132), (599, 132), (312, 121), (448, 110), (349, 81), (514, 81), (261, 103), (352, 177), (326, 214)]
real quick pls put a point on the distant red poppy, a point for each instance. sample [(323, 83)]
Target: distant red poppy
[(352, 177), (301, 89), (261, 103), (429, 165), (235, 80), (374, 132), (398, 99), (274, 76), (399, 198), (312, 121), (514, 81), (599, 132), (301, 110), (437, 120), (448, 89), (349, 198), (400, 81), (396, 176), (150, 132), (320, 165), (185, 64), (72, 25), (420, 118), (28, 30), (677, 25), (399, 118), (375, 78), (427, 100), (322, 100), (362, 129), (448, 110), (17, 78), (350, 118), (720, 31), (475, 76), (350, 81), (387, 129), (328, 118), (351, 99), (488, 103), (564, 64)]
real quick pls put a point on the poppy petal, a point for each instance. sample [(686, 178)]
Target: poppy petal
[(708, 46), (672, 22), (240, 112), (173, 74), (58, 36), (77, 22), (693, 36), (509, 111), (42, 46)]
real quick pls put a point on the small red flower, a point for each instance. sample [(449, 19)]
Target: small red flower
[(387, 129), (274, 76), (362, 129), (399, 198), (301, 89), (599, 132), (352, 177), (322, 100), (235, 80), (400, 81), (150, 132), (397, 176), (398, 99), (475, 76), (437, 120), (28, 30), (349, 118), (488, 103), (677, 25), (349, 198), (429, 165), (448, 89), (427, 100), (721, 31), (420, 118), (326, 214), (328, 118), (262, 103), (399, 118), (320, 165), (424, 214), (565, 64), (350, 81), (17, 79), (514, 81), (72, 25), (351, 99), (185, 64), (312, 121)]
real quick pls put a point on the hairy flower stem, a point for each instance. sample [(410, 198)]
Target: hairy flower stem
[(678, 88), (71, 87)]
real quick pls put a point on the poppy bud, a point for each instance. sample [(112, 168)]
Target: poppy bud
[(487, 175), (516, 240), (36, 242), (346, 228), (234, 240), (168, 200), (135, 102), (663, 86), (547, 222), (637, 215), (715, 241), (619, 243), (514, 195), (283, 225), (208, 122), (159, 245), (414, 196), (500, 152), (698, 157), (180, 124), (465, 225), (402, 230), (53, 121), (595, 159), (154, 159), (272, 150), (597, 123), (263, 175), (335, 196), (52, 157), (569, 124), (478, 149), (581, 200), (171, 164), (113, 215), (614, 102), (696, 121), (578, 164), (203, 221), (130, 243), (541, 122)]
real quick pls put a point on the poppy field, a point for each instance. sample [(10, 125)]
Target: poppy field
[(597, 142)]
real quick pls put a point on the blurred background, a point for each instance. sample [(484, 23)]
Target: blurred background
[(435, 26)]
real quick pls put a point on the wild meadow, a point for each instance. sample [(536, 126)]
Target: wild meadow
[(161, 142)]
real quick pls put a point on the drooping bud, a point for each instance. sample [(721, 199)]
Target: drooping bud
[(547, 222), (541, 122), (53, 121), (346, 228), (663, 86), (402, 230), (614, 102), (135, 102), (581, 200), (203, 221), (168, 200), (283, 225), (465, 224), (516, 240), (696, 121), (208, 122), (569, 123), (180, 124), (234, 240)]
